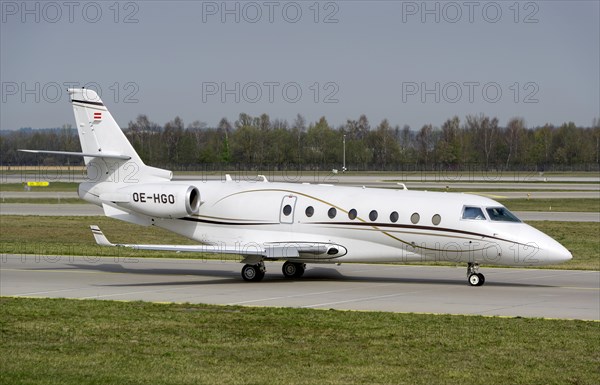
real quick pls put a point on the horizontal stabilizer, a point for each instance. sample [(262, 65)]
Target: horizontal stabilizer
[(90, 154)]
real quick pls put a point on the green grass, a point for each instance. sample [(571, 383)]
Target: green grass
[(71, 236), (56, 341), (43, 200), (574, 204)]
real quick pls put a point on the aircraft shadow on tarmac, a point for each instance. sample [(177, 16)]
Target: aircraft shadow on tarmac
[(313, 274)]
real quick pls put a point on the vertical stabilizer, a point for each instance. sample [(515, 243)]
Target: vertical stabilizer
[(100, 134)]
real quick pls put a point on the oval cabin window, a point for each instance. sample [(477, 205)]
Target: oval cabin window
[(415, 218), (373, 215), (352, 214), (309, 211)]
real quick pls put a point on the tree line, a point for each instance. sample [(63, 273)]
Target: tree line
[(254, 142)]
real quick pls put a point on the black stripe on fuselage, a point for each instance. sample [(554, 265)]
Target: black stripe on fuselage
[(213, 222), (87, 102)]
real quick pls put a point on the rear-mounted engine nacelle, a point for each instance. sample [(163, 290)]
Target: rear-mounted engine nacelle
[(156, 200)]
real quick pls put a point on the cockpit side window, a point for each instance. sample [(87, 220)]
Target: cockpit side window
[(470, 212), (501, 214)]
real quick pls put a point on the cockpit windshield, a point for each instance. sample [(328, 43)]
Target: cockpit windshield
[(470, 212), (501, 214)]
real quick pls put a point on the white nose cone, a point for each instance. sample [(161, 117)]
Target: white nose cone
[(557, 253), (549, 251)]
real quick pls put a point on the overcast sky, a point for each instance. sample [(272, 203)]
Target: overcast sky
[(413, 63)]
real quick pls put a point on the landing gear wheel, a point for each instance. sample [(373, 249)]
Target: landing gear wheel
[(293, 269), (253, 273), (481, 279), (473, 276), (474, 280)]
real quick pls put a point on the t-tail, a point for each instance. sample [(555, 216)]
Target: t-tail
[(107, 153)]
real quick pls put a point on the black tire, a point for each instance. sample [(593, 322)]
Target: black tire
[(252, 273), (481, 279), (292, 270)]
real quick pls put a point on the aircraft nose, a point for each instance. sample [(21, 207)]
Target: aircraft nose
[(558, 253), (549, 252)]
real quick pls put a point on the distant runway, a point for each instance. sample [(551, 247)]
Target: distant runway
[(92, 210), (507, 292)]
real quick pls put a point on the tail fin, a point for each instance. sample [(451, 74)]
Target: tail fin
[(107, 153)]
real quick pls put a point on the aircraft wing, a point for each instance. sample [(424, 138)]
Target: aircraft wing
[(276, 250)]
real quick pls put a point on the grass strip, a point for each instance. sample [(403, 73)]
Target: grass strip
[(57, 341), (34, 200), (569, 204)]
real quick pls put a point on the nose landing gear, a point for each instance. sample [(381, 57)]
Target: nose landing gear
[(473, 276)]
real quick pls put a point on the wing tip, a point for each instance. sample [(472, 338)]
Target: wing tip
[(99, 236)]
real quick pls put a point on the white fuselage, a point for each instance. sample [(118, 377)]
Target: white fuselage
[(373, 225)]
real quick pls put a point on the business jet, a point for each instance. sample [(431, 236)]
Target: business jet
[(298, 223)]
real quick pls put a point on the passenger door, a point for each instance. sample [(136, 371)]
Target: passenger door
[(287, 209)]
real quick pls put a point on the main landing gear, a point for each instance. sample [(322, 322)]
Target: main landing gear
[(473, 276), (254, 273), (292, 270)]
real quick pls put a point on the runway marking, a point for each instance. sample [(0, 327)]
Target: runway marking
[(360, 299), (49, 291)]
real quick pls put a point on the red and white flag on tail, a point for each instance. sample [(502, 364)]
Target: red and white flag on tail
[(97, 115)]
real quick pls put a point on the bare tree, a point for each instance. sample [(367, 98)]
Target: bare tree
[(425, 143), (513, 133)]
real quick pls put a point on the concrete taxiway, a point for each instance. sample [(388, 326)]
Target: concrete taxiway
[(507, 292)]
